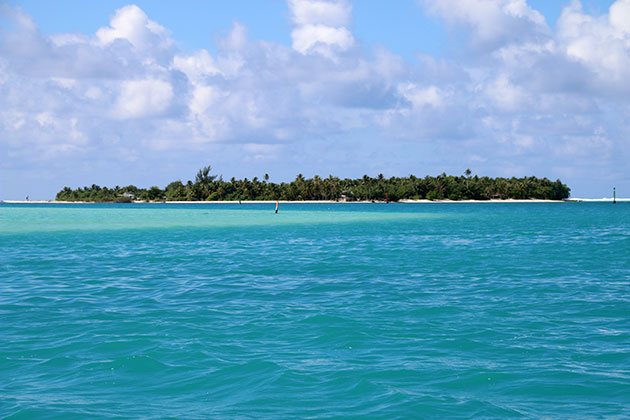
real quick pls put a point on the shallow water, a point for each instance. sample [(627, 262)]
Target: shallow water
[(399, 310)]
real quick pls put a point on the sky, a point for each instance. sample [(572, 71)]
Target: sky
[(115, 92)]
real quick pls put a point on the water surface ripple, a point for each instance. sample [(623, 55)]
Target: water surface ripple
[(387, 311)]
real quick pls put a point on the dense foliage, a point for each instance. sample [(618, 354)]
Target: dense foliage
[(210, 187)]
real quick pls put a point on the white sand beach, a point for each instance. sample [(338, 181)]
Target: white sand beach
[(405, 201)]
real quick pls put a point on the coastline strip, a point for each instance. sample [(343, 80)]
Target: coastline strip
[(404, 201)]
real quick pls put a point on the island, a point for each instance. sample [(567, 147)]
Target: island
[(209, 187)]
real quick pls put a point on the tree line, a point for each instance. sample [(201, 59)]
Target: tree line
[(209, 187)]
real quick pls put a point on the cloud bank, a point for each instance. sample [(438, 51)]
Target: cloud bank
[(516, 97)]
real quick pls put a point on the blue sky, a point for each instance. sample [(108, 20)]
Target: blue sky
[(117, 92)]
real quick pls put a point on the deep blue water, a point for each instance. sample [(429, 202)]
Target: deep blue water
[(323, 310)]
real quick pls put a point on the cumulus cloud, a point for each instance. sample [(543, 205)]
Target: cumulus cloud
[(196, 66), (492, 22), (131, 24), (333, 13), (321, 26), (505, 95), (523, 95), (321, 38), (143, 98), (419, 97), (601, 44)]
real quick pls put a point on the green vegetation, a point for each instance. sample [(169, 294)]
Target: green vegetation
[(214, 188)]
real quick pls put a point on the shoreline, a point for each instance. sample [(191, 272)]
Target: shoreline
[(404, 201)]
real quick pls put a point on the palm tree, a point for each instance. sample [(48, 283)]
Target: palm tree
[(207, 186), (366, 182), (203, 176)]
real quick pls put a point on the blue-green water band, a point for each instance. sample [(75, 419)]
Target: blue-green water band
[(361, 310)]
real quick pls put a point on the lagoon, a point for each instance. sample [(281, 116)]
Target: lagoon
[(398, 310)]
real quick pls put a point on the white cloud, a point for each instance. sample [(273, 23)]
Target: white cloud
[(196, 66), (506, 95), (321, 38), (527, 95), (492, 22), (619, 16), (323, 12), (321, 26), (419, 97), (21, 20), (602, 44), (262, 151), (130, 23), (61, 40), (236, 39), (143, 98), (204, 97), (204, 104), (44, 119)]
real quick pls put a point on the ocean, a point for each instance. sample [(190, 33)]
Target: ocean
[(322, 310)]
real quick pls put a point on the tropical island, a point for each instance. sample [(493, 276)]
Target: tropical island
[(208, 187)]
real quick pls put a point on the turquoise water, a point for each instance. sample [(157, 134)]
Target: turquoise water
[(362, 310)]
